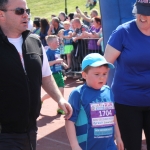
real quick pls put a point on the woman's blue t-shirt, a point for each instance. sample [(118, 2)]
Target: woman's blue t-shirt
[(131, 84)]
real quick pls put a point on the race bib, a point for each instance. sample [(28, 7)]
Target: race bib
[(102, 114)]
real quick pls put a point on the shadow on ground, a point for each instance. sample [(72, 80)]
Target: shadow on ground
[(46, 119), (56, 140), (70, 82)]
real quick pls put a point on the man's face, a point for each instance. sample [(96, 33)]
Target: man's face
[(15, 23), (75, 24), (92, 14), (54, 23)]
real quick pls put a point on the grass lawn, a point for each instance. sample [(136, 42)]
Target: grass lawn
[(45, 8)]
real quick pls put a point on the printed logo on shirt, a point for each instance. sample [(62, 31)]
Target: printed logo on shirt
[(57, 66), (103, 132)]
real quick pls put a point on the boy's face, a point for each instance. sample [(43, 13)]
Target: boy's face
[(54, 44), (96, 76), (66, 26)]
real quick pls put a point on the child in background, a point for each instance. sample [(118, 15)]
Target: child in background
[(61, 45), (68, 46), (93, 124), (55, 62)]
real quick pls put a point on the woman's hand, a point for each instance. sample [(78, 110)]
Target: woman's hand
[(99, 41)]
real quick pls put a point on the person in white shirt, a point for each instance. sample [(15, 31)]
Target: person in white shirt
[(24, 69)]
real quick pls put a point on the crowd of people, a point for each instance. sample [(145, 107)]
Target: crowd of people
[(95, 115), (74, 30)]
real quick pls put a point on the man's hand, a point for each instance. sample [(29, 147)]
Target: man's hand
[(78, 10), (66, 107), (51, 27)]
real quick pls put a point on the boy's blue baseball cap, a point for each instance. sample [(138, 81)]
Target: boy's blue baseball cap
[(95, 60)]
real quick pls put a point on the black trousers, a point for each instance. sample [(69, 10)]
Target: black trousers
[(131, 121), (15, 141)]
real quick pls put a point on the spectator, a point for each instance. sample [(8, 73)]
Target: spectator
[(61, 45), (79, 28), (94, 2), (44, 28), (36, 25), (95, 28), (84, 21), (89, 3), (62, 16), (70, 16), (68, 47), (23, 70), (30, 23), (55, 62), (129, 45), (100, 41), (76, 15), (93, 14), (52, 16), (79, 45), (54, 27)]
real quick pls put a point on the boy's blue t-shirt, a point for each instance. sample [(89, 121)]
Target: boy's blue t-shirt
[(67, 41), (91, 137), (53, 55), (131, 85)]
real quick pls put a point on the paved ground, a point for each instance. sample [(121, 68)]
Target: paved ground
[(51, 130)]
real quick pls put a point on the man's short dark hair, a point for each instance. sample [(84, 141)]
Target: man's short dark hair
[(56, 19), (3, 4)]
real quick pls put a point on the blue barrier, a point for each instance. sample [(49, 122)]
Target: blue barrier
[(114, 13)]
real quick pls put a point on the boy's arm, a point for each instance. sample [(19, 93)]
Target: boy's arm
[(119, 142), (64, 65), (69, 36), (70, 129), (57, 61)]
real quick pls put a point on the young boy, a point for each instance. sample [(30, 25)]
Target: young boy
[(55, 62), (68, 46), (61, 45), (93, 124)]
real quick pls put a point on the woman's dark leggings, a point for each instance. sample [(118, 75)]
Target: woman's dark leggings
[(131, 121)]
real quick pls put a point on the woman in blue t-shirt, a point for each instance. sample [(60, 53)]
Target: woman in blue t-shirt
[(129, 46)]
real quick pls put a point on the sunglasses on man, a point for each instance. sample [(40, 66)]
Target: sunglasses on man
[(18, 11)]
